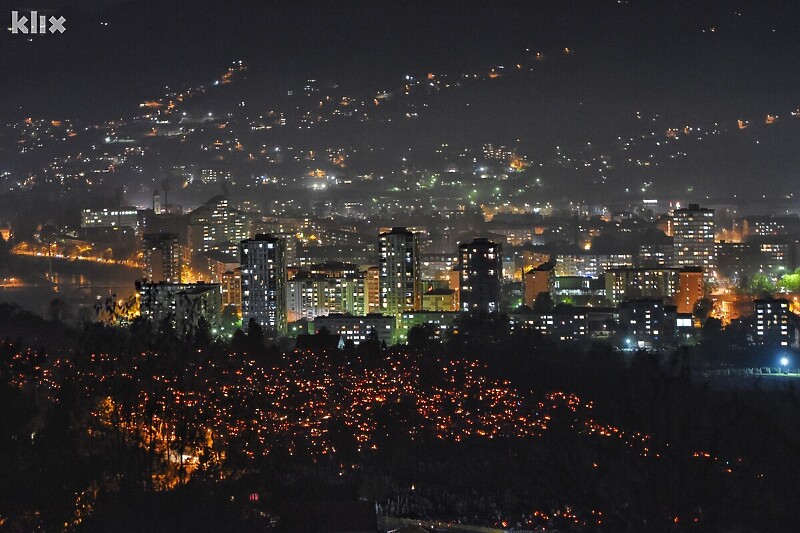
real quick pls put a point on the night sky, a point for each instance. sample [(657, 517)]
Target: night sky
[(656, 53)]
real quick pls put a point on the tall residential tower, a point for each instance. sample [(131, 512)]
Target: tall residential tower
[(398, 260), (264, 282), (481, 269), (163, 257), (693, 233)]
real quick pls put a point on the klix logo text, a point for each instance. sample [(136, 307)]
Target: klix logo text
[(35, 23)]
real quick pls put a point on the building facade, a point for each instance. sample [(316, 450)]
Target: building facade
[(358, 328), (772, 322), (215, 226), (647, 323), (637, 283), (264, 282), (399, 275), (116, 217), (693, 234), (163, 257), (481, 270), (536, 281)]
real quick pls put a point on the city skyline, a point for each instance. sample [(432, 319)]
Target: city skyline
[(375, 266)]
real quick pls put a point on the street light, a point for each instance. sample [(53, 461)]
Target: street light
[(785, 364)]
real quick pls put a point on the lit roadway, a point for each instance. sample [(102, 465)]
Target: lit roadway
[(122, 262)]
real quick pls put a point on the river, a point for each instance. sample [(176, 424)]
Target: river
[(78, 283)]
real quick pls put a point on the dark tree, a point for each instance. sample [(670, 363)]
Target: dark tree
[(543, 303), (703, 308), (255, 333)]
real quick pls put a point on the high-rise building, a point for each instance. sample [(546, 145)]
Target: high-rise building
[(693, 233), (163, 257), (305, 297), (772, 321), (683, 286), (372, 290), (264, 282), (537, 280), (454, 283), (399, 263), (231, 282), (326, 289), (690, 289), (636, 283), (215, 226), (481, 263)]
